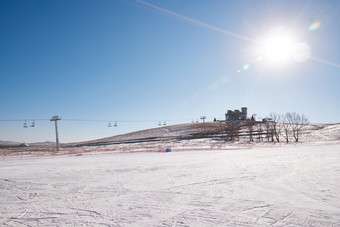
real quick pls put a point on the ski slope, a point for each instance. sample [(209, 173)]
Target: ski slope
[(292, 185)]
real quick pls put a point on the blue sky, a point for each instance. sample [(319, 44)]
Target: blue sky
[(174, 60)]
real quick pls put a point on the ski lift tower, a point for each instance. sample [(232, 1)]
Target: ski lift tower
[(203, 118), (56, 119)]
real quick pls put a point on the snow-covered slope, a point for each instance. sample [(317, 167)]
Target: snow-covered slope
[(320, 132), (295, 185), (8, 143), (11, 143), (168, 132), (202, 182), (312, 132)]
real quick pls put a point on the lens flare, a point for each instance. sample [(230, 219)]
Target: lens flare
[(316, 25), (246, 67), (213, 86)]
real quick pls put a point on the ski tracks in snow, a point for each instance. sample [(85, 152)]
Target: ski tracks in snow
[(291, 186)]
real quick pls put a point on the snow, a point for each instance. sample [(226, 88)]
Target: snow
[(287, 185)]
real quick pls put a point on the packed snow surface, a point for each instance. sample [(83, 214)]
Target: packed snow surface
[(294, 185)]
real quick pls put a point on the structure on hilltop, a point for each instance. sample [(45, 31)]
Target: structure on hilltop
[(236, 114)]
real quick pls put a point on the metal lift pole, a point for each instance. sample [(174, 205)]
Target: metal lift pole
[(56, 119)]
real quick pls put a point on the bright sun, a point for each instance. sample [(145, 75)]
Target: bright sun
[(277, 48)]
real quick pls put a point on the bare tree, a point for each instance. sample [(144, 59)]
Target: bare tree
[(269, 130), (303, 122), (235, 128), (276, 126), (231, 129), (259, 130), (250, 127), (287, 125), (297, 123)]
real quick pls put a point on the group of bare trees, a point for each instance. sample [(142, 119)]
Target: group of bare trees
[(274, 128), (231, 131), (277, 126)]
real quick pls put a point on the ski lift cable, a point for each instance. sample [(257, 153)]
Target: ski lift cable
[(123, 121), (96, 120), (24, 119)]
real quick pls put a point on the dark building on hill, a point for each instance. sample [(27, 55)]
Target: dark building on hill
[(236, 114)]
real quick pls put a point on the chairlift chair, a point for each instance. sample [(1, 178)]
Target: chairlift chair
[(115, 125), (164, 123), (33, 124), (159, 123), (25, 125), (109, 125)]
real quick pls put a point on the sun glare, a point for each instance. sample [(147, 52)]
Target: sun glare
[(280, 47), (277, 48)]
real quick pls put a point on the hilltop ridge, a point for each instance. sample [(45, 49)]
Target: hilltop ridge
[(310, 132)]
